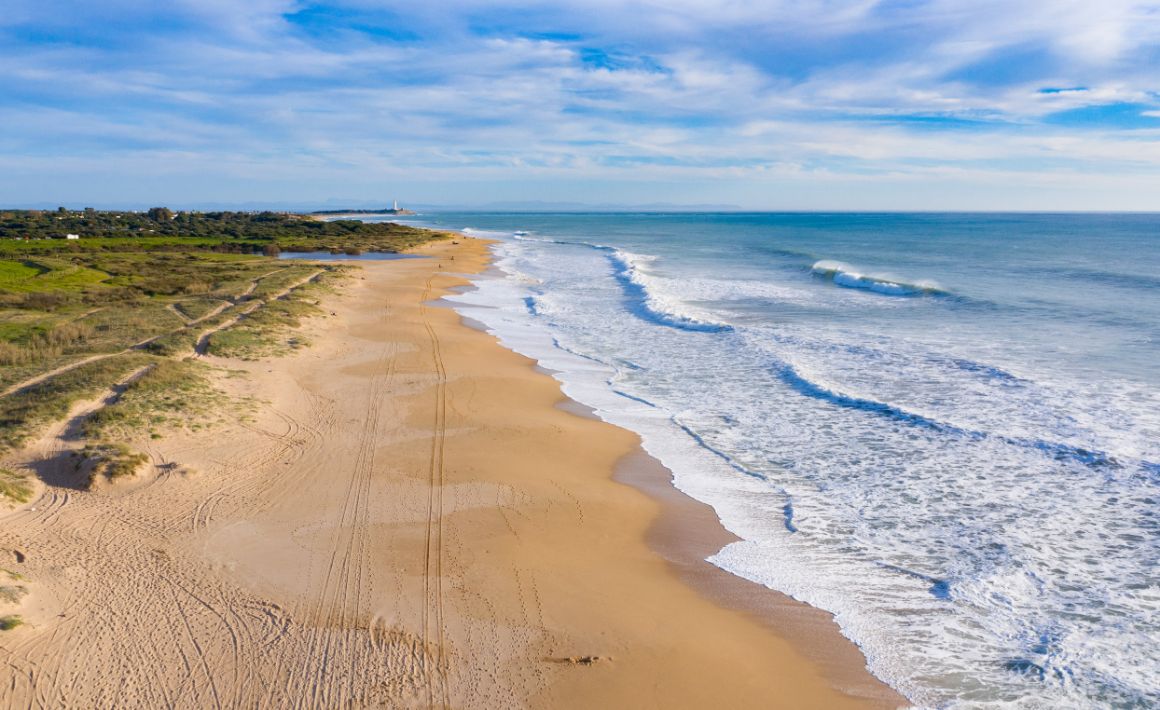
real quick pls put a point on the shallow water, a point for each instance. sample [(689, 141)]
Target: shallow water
[(365, 256), (945, 429)]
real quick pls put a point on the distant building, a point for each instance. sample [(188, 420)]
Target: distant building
[(72, 236), (395, 206)]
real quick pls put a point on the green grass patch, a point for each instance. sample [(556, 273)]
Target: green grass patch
[(61, 275), (15, 487), (43, 275), (13, 274), (7, 623), (172, 395), (23, 414), (195, 308), (110, 461), (269, 330)]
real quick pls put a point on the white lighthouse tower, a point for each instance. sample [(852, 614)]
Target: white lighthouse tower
[(395, 206)]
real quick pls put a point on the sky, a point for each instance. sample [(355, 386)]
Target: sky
[(763, 104)]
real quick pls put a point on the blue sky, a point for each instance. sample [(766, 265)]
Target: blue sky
[(783, 104)]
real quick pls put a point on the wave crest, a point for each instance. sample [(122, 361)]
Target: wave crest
[(844, 275), (1059, 451), (651, 302)]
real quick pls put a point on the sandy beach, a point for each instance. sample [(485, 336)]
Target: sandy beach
[(411, 517)]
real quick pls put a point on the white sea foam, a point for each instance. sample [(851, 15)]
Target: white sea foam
[(939, 503), (656, 297), (849, 277)]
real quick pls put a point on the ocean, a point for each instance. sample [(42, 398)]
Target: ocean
[(942, 428)]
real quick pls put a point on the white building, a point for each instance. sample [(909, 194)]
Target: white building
[(72, 236)]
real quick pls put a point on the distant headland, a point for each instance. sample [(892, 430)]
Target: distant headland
[(392, 210)]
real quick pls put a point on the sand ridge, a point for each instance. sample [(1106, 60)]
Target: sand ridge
[(409, 521)]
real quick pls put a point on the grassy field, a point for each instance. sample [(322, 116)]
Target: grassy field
[(79, 315)]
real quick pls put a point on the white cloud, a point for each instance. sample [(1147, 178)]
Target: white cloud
[(717, 89)]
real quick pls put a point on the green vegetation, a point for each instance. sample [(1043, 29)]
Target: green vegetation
[(14, 486), (25, 412), (174, 394), (44, 274), (7, 623), (195, 308), (141, 280), (135, 293), (161, 228), (110, 461), (12, 593), (270, 329), (40, 344)]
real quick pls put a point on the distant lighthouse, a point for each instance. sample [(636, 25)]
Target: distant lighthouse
[(395, 206)]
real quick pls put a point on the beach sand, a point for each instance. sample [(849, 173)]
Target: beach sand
[(411, 519)]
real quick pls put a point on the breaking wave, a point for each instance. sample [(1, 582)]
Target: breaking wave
[(651, 301), (843, 275)]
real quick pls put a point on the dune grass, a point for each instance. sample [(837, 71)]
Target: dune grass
[(270, 330), (110, 461), (194, 308), (7, 623), (174, 394), (14, 487), (23, 413)]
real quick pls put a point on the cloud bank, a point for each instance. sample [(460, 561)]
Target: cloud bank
[(937, 104)]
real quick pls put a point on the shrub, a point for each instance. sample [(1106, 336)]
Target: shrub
[(112, 461)]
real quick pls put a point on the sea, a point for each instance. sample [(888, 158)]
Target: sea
[(942, 428)]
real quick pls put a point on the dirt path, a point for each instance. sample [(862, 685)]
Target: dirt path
[(202, 344)]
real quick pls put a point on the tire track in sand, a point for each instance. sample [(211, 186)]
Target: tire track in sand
[(437, 681), (339, 602)]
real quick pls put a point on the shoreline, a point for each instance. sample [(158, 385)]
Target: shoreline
[(687, 531), (383, 533)]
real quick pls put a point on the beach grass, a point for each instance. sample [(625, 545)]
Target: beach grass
[(24, 412), (110, 461), (195, 308), (173, 394), (7, 623), (269, 331), (14, 486)]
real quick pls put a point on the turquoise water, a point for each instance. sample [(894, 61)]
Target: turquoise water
[(943, 428)]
